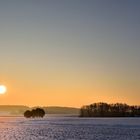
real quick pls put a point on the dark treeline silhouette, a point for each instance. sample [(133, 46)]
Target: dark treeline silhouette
[(109, 110), (38, 112)]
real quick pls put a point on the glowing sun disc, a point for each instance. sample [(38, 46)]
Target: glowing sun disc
[(2, 89)]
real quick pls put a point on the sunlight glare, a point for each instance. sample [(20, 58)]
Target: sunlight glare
[(2, 89)]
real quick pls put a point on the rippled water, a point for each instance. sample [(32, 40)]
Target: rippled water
[(69, 128)]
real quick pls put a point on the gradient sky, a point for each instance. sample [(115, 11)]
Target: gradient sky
[(70, 52)]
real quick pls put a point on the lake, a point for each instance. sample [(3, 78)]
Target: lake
[(69, 128)]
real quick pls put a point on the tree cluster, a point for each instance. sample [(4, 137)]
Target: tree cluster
[(109, 110), (38, 112)]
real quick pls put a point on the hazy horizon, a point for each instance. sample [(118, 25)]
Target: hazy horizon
[(70, 53)]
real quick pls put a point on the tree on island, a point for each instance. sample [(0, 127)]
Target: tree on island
[(109, 110), (38, 112), (28, 114)]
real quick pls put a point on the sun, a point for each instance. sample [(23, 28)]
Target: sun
[(3, 89)]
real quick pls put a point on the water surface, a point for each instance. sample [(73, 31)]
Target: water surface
[(69, 128)]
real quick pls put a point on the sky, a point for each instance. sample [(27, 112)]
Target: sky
[(69, 52)]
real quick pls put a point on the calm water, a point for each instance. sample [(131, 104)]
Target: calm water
[(69, 128)]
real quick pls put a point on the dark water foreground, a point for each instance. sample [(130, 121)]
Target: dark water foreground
[(69, 128)]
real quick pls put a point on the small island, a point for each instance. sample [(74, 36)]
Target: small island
[(38, 112)]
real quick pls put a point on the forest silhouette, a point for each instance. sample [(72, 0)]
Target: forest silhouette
[(109, 110)]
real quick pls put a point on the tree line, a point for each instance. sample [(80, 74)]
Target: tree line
[(38, 112), (109, 110)]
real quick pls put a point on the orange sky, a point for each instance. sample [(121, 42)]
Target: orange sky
[(69, 53), (27, 92)]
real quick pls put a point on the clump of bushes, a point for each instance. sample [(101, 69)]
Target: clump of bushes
[(38, 112), (109, 110)]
